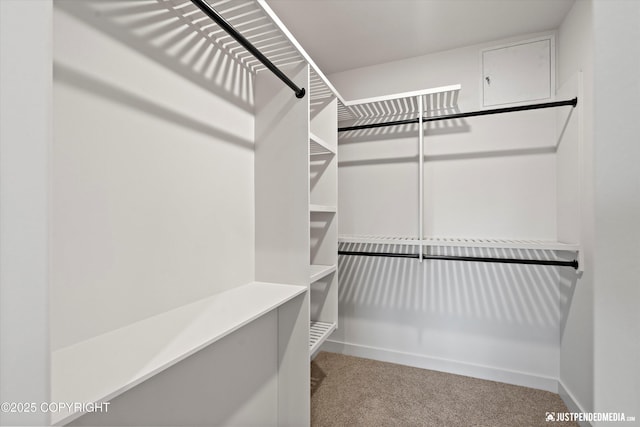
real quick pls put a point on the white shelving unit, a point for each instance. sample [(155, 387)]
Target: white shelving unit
[(471, 199), (428, 103), (414, 105), (134, 359), (323, 212), (101, 368)]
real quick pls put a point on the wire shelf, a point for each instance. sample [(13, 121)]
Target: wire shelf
[(461, 242), (318, 334)]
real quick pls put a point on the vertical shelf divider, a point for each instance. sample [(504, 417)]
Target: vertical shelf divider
[(282, 227)]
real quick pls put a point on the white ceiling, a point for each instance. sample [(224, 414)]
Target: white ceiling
[(345, 34)]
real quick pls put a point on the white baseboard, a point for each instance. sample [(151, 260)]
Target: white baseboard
[(444, 365), (572, 404)]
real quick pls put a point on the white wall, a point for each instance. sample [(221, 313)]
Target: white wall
[(25, 135), (575, 73), (617, 207), (599, 343), (152, 181), (492, 177)]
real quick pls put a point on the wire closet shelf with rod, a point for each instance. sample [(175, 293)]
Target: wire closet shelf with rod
[(364, 118)]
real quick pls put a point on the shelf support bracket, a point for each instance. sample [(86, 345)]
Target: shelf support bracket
[(420, 176)]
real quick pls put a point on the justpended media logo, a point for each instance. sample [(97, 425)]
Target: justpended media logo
[(587, 416)]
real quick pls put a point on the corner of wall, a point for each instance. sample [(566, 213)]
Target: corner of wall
[(576, 339)]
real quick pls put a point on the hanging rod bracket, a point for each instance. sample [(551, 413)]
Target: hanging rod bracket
[(206, 8)]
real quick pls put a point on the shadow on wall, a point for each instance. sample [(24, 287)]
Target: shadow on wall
[(502, 299), (87, 83), (406, 135), (444, 127), (567, 282), (165, 32), (317, 166), (455, 156), (319, 225), (318, 103), (319, 296)]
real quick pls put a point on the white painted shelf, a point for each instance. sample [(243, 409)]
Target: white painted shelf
[(100, 368), (322, 208), (318, 333), (320, 271), (462, 242), (318, 146)]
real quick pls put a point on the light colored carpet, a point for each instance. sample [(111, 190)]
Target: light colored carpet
[(351, 391)]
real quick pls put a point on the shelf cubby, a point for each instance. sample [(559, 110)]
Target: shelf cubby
[(317, 146)]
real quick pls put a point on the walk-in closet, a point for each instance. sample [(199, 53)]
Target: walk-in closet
[(294, 213)]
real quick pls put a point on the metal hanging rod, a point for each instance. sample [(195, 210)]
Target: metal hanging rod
[(573, 263), (213, 14), (572, 102)]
